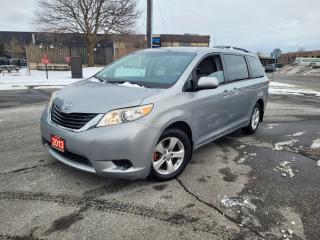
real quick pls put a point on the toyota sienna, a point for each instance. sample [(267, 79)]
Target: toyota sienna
[(146, 113)]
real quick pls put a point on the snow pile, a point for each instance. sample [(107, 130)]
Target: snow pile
[(22, 80), (280, 145), (285, 169), (315, 144), (299, 71), (288, 89)]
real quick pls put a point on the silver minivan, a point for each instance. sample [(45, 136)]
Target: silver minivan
[(146, 113)]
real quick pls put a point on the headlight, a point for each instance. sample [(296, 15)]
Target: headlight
[(124, 115), (51, 99)]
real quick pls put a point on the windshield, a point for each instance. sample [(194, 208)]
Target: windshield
[(148, 69)]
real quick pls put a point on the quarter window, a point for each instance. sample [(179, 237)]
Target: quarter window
[(236, 67), (256, 67)]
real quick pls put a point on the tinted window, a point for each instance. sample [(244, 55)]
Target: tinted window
[(236, 67), (256, 67), (211, 67)]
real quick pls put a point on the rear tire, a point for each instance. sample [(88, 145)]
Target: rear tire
[(254, 120), (171, 155)]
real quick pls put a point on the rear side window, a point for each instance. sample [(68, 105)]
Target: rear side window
[(256, 67), (236, 67)]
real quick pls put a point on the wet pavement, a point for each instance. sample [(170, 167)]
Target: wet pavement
[(263, 186)]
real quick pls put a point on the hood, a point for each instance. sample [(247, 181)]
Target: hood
[(97, 97)]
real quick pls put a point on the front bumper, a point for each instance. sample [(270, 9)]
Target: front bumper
[(99, 148)]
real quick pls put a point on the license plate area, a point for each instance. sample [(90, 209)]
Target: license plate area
[(58, 143)]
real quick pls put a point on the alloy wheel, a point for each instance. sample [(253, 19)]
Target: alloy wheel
[(255, 118), (168, 155)]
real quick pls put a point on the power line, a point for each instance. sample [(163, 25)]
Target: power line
[(161, 16)]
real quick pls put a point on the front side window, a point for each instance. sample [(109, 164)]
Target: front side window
[(157, 69), (236, 67), (256, 67), (211, 67)]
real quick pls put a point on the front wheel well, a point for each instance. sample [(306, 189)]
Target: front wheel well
[(183, 126), (261, 104)]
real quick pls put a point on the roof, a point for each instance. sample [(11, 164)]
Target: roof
[(201, 50)]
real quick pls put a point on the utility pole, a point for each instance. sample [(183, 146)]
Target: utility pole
[(149, 23)]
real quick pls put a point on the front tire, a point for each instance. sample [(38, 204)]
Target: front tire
[(171, 155), (254, 120)]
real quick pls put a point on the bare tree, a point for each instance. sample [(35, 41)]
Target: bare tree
[(89, 17), (14, 48)]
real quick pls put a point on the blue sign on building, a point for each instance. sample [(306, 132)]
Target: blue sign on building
[(156, 42)]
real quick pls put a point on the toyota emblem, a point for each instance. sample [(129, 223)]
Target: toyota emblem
[(67, 107)]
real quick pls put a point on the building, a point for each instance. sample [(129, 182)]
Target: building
[(290, 58), (186, 40), (59, 46)]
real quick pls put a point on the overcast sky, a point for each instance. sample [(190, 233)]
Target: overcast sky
[(253, 24)]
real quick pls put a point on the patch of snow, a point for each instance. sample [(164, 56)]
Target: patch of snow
[(315, 144), (318, 163), (296, 134), (128, 84), (245, 208), (280, 145), (272, 125), (288, 89), (246, 157), (241, 147), (238, 201), (285, 169), (242, 160), (22, 80), (48, 87)]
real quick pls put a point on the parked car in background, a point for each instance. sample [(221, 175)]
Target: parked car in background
[(20, 62), (273, 67), (146, 113), (4, 61)]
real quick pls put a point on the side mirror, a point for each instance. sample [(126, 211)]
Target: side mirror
[(207, 83)]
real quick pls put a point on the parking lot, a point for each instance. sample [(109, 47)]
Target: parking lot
[(264, 186)]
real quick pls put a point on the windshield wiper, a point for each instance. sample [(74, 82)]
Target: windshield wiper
[(99, 78)]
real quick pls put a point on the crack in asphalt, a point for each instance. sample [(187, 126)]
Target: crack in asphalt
[(27, 168), (219, 210), (115, 206)]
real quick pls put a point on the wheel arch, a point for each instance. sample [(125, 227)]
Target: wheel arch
[(183, 126)]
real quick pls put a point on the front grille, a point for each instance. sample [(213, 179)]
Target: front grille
[(71, 120)]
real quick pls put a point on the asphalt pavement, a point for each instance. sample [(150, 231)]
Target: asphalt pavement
[(263, 186)]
